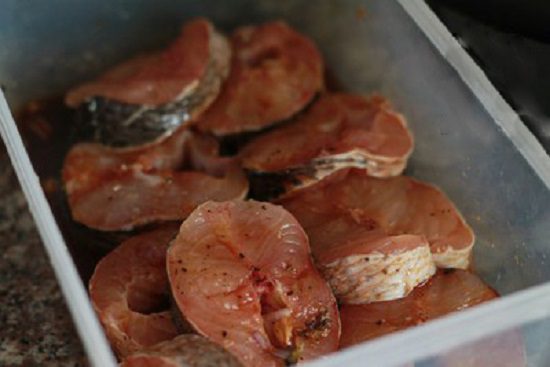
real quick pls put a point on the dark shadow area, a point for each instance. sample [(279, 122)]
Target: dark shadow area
[(510, 40)]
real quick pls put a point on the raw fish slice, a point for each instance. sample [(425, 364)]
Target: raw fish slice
[(359, 260), (109, 189), (398, 205), (250, 263), (405, 205), (147, 98), (448, 291), (183, 351), (203, 155), (370, 267), (275, 72), (129, 291), (339, 131)]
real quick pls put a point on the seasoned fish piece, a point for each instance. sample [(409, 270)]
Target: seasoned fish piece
[(339, 131), (250, 263), (109, 189), (183, 351), (375, 267), (129, 291), (416, 208), (203, 154), (275, 72), (359, 260), (448, 291), (399, 205), (147, 98)]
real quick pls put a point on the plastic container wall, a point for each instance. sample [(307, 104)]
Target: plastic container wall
[(369, 46)]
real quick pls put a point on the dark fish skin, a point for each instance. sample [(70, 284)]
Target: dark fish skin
[(125, 124), (183, 351), (121, 125), (272, 185)]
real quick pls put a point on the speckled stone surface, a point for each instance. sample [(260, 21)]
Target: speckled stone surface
[(35, 326)]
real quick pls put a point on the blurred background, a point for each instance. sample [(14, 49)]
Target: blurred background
[(510, 40)]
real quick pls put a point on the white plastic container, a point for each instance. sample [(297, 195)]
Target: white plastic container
[(468, 141)]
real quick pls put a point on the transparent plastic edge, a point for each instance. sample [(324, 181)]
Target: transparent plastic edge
[(469, 325), (474, 77), (420, 342), (80, 307), (446, 333)]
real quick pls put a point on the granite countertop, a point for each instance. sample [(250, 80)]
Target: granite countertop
[(36, 328)]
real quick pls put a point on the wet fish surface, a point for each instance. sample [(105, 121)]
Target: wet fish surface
[(145, 99), (275, 73), (109, 189), (250, 263), (448, 291), (398, 205), (339, 131), (129, 289)]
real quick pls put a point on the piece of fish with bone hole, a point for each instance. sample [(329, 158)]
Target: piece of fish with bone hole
[(275, 72), (250, 264), (183, 351), (398, 205), (339, 131), (146, 98), (360, 261), (130, 292), (109, 189), (448, 291)]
